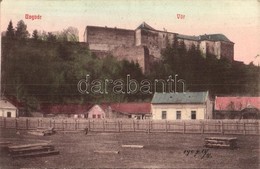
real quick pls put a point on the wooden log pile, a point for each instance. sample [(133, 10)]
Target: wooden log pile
[(221, 142), (32, 150), (42, 131)]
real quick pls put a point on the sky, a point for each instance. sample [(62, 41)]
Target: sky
[(239, 20)]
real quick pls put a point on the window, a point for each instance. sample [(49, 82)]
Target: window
[(193, 114), (9, 114), (98, 116), (93, 116), (178, 114), (164, 114)]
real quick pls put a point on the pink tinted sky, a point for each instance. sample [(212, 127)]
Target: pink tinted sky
[(239, 20)]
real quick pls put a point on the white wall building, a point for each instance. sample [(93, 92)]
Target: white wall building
[(7, 109), (181, 106)]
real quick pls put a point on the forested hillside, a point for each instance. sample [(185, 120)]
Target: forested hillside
[(220, 77), (47, 70)]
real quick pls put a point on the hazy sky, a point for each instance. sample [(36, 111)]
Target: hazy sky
[(239, 20)]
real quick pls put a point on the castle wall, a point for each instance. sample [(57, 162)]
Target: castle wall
[(138, 37), (154, 40), (203, 47), (138, 54), (144, 45), (149, 38), (213, 48), (210, 47), (227, 50), (105, 39), (189, 43)]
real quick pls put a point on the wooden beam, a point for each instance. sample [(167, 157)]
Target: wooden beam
[(31, 149), (29, 145), (133, 146), (37, 133), (106, 152), (36, 154)]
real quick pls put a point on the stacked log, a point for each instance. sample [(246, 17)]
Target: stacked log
[(221, 142), (32, 150)]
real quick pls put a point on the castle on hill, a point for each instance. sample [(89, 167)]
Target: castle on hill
[(144, 44)]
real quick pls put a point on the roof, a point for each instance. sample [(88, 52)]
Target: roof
[(97, 106), (129, 108), (195, 38), (6, 104), (145, 26), (236, 103), (180, 98), (211, 37), (214, 37)]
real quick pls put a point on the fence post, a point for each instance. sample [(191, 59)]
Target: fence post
[(134, 125), (4, 122), (93, 121), (118, 123), (27, 124), (166, 126), (50, 122), (66, 124), (89, 125), (38, 123), (75, 124), (53, 123), (257, 128), (148, 127), (184, 127), (244, 124), (222, 127), (202, 127), (62, 124), (104, 125), (16, 124)]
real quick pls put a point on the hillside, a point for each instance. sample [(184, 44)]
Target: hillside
[(36, 71)]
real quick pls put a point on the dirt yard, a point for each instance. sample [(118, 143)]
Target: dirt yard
[(160, 150)]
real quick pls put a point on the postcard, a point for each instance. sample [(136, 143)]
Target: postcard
[(129, 84)]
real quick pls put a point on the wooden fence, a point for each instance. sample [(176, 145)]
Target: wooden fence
[(245, 127)]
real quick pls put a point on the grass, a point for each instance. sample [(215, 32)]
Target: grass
[(160, 150)]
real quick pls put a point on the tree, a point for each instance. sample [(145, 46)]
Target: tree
[(10, 30), (35, 35), (70, 34), (42, 35), (51, 37), (21, 30)]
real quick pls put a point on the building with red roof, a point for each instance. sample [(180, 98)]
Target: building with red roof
[(103, 110), (121, 110), (237, 107)]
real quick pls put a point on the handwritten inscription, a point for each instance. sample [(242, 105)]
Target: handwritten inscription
[(33, 17), (203, 153), (180, 16)]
